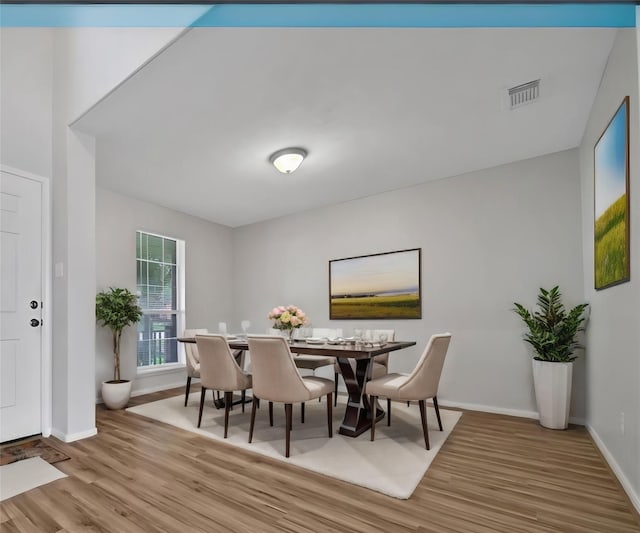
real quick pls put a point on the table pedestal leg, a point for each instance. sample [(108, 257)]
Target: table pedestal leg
[(357, 417)]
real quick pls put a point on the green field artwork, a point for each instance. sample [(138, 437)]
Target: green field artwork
[(610, 244), (400, 306), (376, 286), (611, 232)]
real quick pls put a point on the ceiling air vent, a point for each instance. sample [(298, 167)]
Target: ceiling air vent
[(524, 94)]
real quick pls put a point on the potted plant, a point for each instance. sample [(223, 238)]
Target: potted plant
[(552, 333), (117, 309)]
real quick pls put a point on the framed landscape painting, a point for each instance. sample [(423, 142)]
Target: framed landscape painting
[(611, 201), (386, 285)]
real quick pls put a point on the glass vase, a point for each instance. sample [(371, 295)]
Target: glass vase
[(289, 336)]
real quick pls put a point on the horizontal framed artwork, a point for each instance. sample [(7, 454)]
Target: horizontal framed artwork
[(611, 201), (378, 286)]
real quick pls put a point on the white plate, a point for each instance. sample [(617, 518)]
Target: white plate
[(314, 340), (232, 338)]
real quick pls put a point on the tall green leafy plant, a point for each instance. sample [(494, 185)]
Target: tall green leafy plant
[(552, 331), (117, 309)]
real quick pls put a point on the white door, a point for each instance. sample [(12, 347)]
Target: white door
[(20, 306)]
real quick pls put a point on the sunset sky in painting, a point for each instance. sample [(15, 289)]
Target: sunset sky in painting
[(395, 272)]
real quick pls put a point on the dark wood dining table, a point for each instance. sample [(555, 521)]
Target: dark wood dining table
[(358, 413)]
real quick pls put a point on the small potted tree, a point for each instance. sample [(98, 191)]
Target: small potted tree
[(552, 334), (116, 309)]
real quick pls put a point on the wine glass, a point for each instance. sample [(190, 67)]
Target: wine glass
[(222, 328), (383, 338), (245, 325), (358, 333)]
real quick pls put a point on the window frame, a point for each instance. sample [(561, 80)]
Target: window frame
[(179, 312)]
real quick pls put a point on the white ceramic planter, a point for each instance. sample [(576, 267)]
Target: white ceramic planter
[(552, 383), (116, 395)]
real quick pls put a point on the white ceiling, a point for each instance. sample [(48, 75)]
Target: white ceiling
[(377, 110)]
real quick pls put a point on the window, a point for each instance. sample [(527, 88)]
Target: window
[(160, 285)]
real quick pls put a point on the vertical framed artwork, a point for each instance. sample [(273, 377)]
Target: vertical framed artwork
[(377, 286), (611, 201)]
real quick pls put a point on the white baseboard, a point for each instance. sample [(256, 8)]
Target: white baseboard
[(489, 409), (615, 467), (71, 437), (443, 403), (146, 390), (501, 410)]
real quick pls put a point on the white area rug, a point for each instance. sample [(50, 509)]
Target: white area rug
[(393, 464), (25, 475)]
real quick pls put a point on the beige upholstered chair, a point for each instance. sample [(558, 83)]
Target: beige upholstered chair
[(193, 360), (219, 371), (329, 333), (380, 362), (420, 385), (277, 379), (311, 362)]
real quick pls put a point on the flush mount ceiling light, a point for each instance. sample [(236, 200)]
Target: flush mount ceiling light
[(287, 160)]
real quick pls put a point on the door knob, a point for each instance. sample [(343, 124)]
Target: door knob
[(35, 322), (33, 304)]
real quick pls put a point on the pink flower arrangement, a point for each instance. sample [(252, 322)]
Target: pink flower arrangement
[(289, 317)]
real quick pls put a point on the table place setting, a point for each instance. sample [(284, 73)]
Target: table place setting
[(360, 339), (339, 341)]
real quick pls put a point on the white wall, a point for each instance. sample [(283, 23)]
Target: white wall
[(88, 63), (73, 415), (208, 266), (102, 58), (488, 238), (48, 77), (25, 99), (613, 336)]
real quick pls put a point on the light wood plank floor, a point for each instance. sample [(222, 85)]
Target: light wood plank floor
[(494, 474)]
